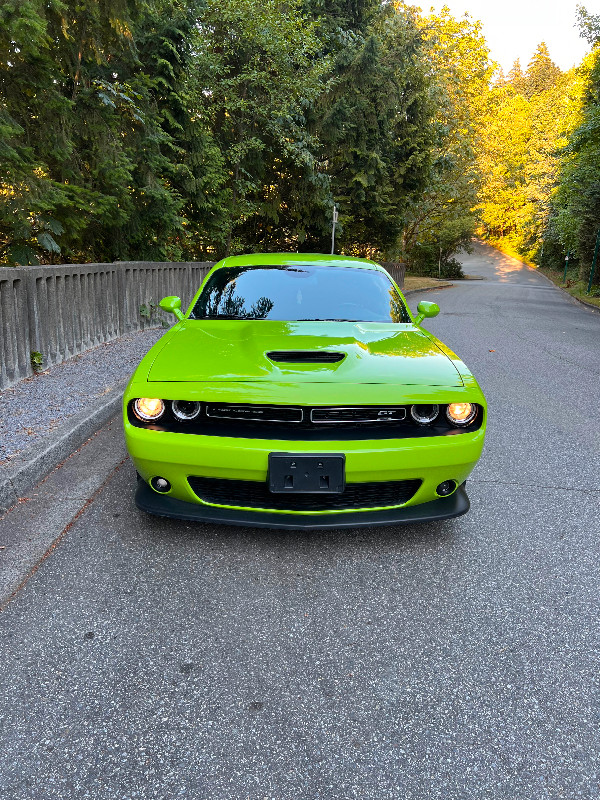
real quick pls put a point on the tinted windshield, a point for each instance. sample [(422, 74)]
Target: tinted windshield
[(300, 292)]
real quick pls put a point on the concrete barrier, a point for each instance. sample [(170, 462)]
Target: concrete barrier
[(60, 311)]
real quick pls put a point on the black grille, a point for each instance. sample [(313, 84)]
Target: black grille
[(305, 356), (254, 413), (359, 414), (256, 494)]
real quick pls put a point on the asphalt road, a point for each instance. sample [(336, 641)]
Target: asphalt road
[(145, 658)]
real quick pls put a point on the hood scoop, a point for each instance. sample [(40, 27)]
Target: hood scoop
[(305, 356)]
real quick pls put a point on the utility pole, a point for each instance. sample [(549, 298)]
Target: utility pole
[(334, 220)]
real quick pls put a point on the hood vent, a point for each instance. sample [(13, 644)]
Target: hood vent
[(305, 356)]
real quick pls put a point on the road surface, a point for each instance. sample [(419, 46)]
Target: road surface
[(145, 658)]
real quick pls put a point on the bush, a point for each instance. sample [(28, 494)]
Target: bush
[(425, 260)]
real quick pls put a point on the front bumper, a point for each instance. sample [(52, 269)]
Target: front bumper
[(164, 506), (177, 457)]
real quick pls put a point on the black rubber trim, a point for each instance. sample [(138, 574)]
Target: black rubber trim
[(256, 494), (164, 506)]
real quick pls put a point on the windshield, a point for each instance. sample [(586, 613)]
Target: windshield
[(300, 293)]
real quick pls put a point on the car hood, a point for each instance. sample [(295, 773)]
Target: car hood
[(236, 350)]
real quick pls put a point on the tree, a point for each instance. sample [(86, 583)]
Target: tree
[(443, 218), (372, 122), (575, 216), (528, 121), (257, 69), (542, 73), (93, 177), (517, 79)]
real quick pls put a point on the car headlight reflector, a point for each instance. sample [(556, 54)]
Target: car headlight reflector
[(461, 414), (148, 409), (185, 410), (424, 414)]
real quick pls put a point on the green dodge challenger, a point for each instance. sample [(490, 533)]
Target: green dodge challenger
[(298, 391)]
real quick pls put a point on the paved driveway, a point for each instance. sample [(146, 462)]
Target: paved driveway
[(156, 659)]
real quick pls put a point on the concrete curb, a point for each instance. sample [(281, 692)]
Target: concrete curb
[(564, 291), (427, 289), (21, 474)]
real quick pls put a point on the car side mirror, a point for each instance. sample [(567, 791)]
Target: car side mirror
[(173, 305), (426, 309)]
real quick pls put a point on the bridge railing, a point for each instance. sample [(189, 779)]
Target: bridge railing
[(61, 311), (396, 269)]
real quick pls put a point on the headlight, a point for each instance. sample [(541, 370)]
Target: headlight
[(148, 409), (424, 414), (185, 410), (461, 414)]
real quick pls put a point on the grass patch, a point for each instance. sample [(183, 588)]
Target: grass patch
[(414, 282), (575, 288)]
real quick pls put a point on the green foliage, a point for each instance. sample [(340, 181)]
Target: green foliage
[(37, 360), (258, 74), (189, 129), (589, 25), (373, 124), (150, 310), (575, 220)]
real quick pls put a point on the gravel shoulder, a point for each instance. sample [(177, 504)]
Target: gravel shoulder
[(38, 406)]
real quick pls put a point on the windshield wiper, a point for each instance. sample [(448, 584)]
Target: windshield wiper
[(326, 319)]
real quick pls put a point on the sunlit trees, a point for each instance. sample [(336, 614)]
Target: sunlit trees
[(540, 158), (575, 215), (542, 73), (442, 217), (528, 120)]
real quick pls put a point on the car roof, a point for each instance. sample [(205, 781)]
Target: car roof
[(280, 259)]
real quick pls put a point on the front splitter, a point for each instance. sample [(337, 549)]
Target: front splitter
[(162, 505)]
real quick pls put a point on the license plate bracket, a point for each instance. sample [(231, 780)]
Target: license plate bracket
[(291, 473)]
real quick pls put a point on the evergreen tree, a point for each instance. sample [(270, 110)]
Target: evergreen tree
[(258, 71), (542, 72), (372, 122), (517, 79)]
